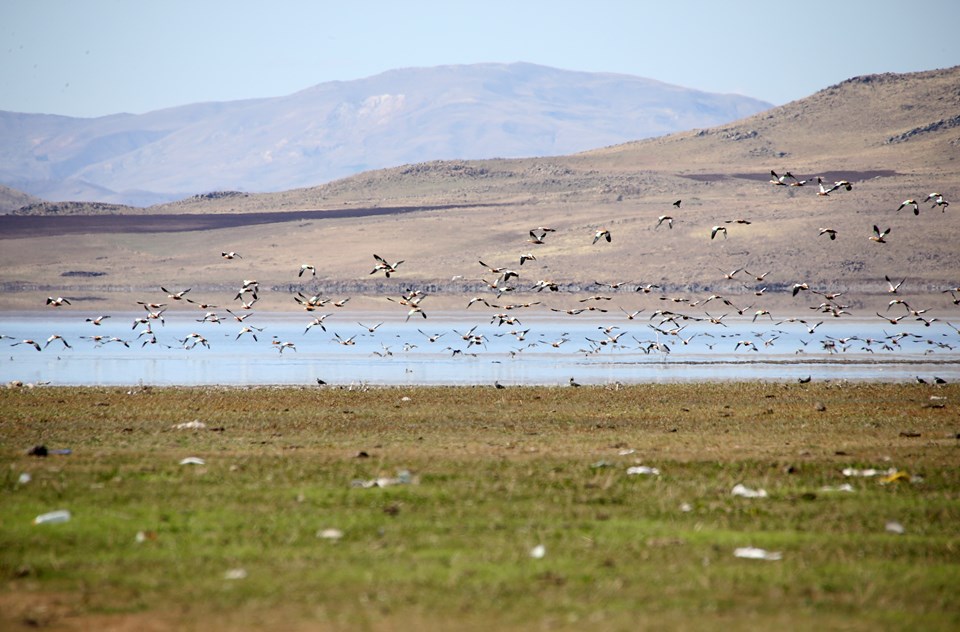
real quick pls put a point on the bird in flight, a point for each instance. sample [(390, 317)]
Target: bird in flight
[(175, 296), (879, 236), (910, 202), (383, 264), (891, 286), (603, 233), (537, 239)]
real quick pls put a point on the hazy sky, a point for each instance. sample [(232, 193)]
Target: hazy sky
[(96, 57)]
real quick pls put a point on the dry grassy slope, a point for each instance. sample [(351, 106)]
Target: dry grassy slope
[(842, 131), (11, 199), (846, 126)]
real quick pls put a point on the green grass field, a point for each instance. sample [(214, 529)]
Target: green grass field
[(492, 474)]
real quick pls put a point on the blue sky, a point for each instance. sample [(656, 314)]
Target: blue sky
[(98, 57)]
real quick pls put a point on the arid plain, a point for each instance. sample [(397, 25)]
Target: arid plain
[(893, 137)]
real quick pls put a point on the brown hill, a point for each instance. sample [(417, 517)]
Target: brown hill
[(12, 199), (893, 136)]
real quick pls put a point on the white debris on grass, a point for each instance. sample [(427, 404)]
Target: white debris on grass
[(753, 553), (53, 517), (745, 492), (538, 552), (643, 469), (196, 424), (193, 460), (235, 573), (869, 472), (846, 487), (403, 477), (895, 527), (329, 534), (24, 478)]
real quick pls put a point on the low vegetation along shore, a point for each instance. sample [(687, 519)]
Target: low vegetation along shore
[(825, 506)]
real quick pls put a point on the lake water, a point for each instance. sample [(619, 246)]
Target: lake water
[(396, 353)]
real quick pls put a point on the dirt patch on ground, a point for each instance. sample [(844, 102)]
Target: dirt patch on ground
[(20, 226), (831, 176)]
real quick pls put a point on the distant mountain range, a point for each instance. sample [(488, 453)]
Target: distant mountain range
[(338, 129)]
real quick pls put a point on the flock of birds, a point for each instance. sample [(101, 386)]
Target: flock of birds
[(665, 329)]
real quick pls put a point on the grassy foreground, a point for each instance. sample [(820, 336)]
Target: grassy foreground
[(234, 543)]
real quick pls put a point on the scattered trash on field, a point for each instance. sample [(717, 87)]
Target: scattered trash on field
[(538, 552), (900, 476), (741, 490), (235, 573), (193, 460), (846, 487), (42, 450), (145, 536), (643, 469), (196, 424), (24, 478), (895, 527), (686, 507), (403, 477), (329, 534), (53, 517), (753, 553), (867, 473)]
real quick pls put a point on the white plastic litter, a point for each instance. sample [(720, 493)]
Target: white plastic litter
[(741, 490), (330, 534), (643, 469), (193, 460), (895, 527), (54, 517), (24, 478), (235, 573), (753, 553), (403, 477), (869, 472), (538, 552), (196, 424), (846, 487)]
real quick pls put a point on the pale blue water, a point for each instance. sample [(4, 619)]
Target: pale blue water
[(407, 357)]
